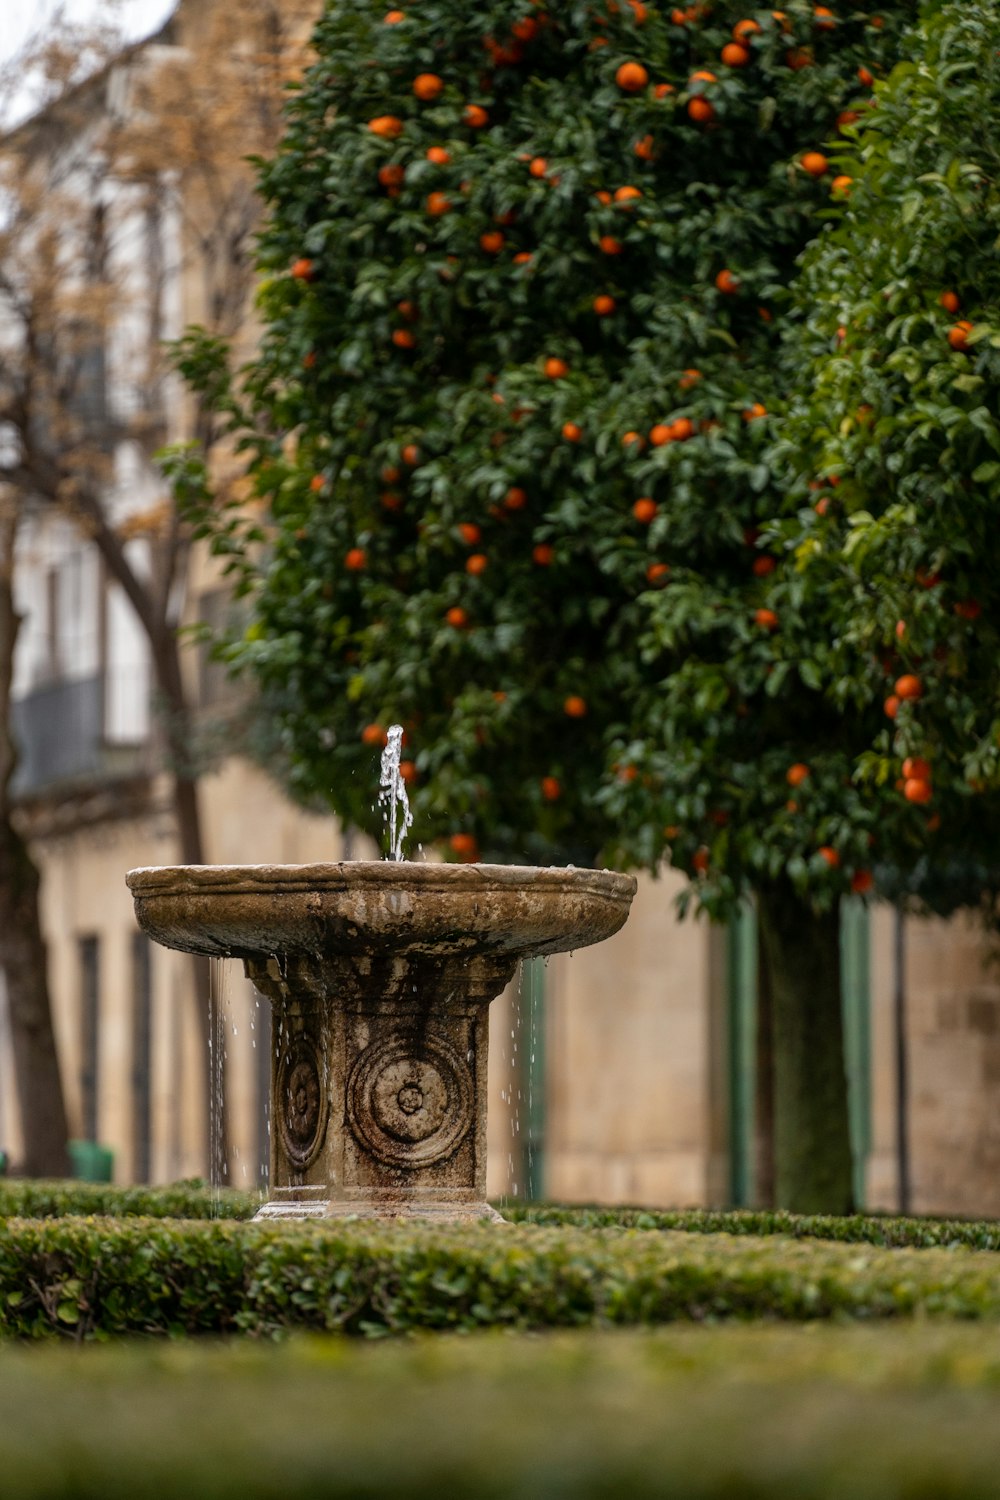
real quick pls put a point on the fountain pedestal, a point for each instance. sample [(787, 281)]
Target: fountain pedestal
[(380, 977), (378, 1085)]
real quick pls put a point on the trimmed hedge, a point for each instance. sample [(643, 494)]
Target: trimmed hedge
[(87, 1277), (906, 1412), (871, 1229), (33, 1198)]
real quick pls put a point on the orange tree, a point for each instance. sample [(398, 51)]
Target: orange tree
[(526, 293), (899, 410)]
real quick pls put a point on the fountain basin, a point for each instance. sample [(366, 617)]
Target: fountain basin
[(380, 977)]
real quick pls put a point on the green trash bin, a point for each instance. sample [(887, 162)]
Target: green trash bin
[(90, 1162)]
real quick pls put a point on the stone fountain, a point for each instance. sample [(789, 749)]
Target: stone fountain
[(380, 976)]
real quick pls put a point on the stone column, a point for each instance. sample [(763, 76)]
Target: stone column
[(378, 1084)]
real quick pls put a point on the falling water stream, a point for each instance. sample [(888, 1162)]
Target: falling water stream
[(392, 793)]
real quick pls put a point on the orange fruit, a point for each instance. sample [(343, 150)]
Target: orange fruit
[(492, 242), (797, 774), (727, 283), (303, 269), (700, 860), (645, 149), (958, 335), (555, 369), (627, 194), (967, 609), (915, 789), (734, 56), (909, 687), (763, 566), (457, 617), (632, 77), (393, 17), (700, 110), (862, 881), (408, 771), (688, 379), (754, 412), (950, 301), (915, 768), (830, 855), (660, 434), (476, 116), (841, 185), (538, 167), (515, 498), (798, 58), (743, 29), (645, 510), (609, 245), (427, 86), (543, 554), (407, 310), (703, 76), (657, 572), (640, 12), (551, 788), (437, 204), (391, 175), (390, 474), (373, 734), (391, 500), (469, 532), (766, 619), (525, 30), (356, 560), (823, 18), (571, 432), (604, 305), (476, 564), (814, 162), (386, 126), (575, 707), (603, 196), (523, 258), (633, 437), (865, 77), (464, 845), (403, 338), (846, 118), (411, 455), (682, 429), (316, 483), (891, 706)]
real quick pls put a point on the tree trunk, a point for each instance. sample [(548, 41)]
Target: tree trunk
[(812, 1145), (22, 947), (764, 1087), (23, 959)]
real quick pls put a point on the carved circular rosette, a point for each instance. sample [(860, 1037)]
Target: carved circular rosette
[(302, 1103), (410, 1099)]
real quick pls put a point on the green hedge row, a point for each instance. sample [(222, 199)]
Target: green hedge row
[(32, 1198), (905, 1412), (86, 1277), (871, 1229)]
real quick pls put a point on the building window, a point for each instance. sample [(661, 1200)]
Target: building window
[(90, 998), (142, 1039)]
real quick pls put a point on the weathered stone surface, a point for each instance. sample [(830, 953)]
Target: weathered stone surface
[(380, 977)]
